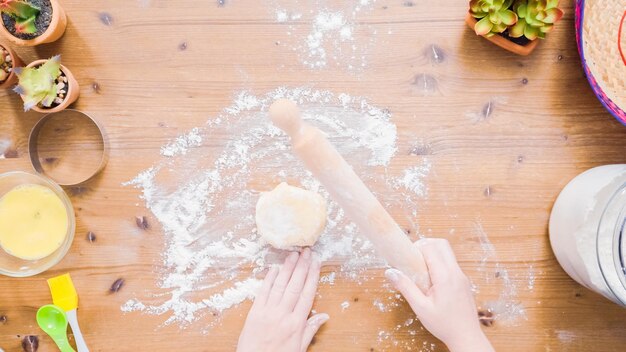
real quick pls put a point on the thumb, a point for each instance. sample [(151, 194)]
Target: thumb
[(413, 295), (312, 326)]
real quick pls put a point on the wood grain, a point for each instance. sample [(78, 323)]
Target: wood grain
[(504, 134)]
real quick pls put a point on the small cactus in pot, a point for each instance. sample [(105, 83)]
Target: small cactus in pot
[(30, 22), (5, 68), (23, 13), (493, 16), (8, 62), (513, 24), (536, 18), (46, 85)]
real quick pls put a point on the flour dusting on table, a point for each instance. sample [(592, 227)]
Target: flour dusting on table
[(204, 199), (506, 308), (330, 37), (181, 144)]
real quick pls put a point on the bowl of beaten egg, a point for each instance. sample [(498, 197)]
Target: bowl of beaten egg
[(37, 224)]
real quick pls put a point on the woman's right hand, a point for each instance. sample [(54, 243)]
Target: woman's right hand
[(448, 309)]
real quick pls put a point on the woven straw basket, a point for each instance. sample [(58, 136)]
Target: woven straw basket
[(601, 37)]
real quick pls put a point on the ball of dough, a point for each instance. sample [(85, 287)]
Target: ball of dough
[(290, 216)]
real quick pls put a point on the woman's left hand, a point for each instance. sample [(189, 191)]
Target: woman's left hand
[(278, 320)]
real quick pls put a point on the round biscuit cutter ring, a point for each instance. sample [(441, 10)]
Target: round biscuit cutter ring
[(69, 147)]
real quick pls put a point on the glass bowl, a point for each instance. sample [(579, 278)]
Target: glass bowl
[(16, 267)]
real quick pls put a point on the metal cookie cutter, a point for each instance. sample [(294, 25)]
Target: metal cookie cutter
[(69, 147)]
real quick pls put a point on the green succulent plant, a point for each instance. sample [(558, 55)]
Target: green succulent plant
[(494, 16), (37, 85), (536, 18), (23, 13)]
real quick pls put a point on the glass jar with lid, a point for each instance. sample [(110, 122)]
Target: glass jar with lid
[(588, 230)]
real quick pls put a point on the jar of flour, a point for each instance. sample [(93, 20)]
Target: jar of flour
[(588, 230)]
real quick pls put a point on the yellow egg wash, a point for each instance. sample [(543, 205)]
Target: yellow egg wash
[(33, 222)]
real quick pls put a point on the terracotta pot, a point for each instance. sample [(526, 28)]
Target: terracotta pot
[(17, 62), (54, 31), (73, 90), (503, 42)]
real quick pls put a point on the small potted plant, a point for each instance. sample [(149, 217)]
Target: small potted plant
[(46, 86), (8, 62), (514, 25), (32, 22)]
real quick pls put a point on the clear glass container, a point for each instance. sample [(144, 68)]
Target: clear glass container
[(16, 267), (588, 230)]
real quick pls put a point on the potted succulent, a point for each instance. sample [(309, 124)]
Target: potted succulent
[(46, 85), (8, 62), (32, 22), (514, 25)]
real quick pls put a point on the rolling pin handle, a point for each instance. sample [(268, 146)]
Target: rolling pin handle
[(286, 115)]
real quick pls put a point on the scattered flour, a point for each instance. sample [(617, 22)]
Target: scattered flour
[(531, 278), (284, 16), (281, 16), (205, 202), (507, 309), (410, 342), (345, 305), (331, 37), (181, 144), (380, 305), (325, 26), (413, 179), (487, 247), (243, 290), (328, 278), (133, 305)]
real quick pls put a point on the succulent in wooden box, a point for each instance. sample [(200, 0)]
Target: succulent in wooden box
[(24, 14), (536, 18), (38, 85), (493, 16)]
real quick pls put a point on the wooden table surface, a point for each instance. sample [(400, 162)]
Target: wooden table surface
[(504, 134)]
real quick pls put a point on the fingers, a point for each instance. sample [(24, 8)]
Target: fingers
[(282, 280), (440, 246), (264, 292), (439, 258), (413, 295), (298, 279), (312, 326), (305, 302)]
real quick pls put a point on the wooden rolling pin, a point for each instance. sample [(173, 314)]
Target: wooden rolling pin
[(346, 188)]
